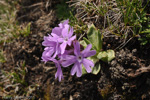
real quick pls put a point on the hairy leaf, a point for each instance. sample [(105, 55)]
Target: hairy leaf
[(95, 38), (106, 56), (96, 68)]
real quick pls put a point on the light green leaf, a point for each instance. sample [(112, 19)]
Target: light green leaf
[(106, 56), (83, 43), (94, 59), (94, 37), (102, 55), (88, 42), (96, 68), (111, 55)]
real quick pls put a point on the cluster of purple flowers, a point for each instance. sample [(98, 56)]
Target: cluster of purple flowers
[(64, 50)]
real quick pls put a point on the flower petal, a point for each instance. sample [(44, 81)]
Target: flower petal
[(79, 70), (56, 50), (55, 37), (47, 41), (59, 73), (76, 48), (49, 51), (67, 63), (66, 22), (70, 32), (61, 25), (57, 30), (65, 31), (87, 49), (60, 40), (71, 39), (90, 53), (68, 60), (87, 66), (68, 57), (63, 47), (74, 69), (89, 62)]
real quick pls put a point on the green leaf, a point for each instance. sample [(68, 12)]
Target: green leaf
[(88, 42), (106, 56), (94, 59), (83, 43), (111, 55), (95, 38), (96, 68), (102, 55)]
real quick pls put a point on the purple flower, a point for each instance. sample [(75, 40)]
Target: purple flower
[(55, 50), (59, 73), (58, 30), (48, 42), (66, 38), (62, 35), (51, 50), (47, 54), (61, 25), (78, 59)]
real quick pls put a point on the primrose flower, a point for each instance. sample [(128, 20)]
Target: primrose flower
[(52, 48), (62, 35), (55, 51), (66, 38), (58, 30), (78, 59), (47, 54), (61, 25), (59, 73)]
